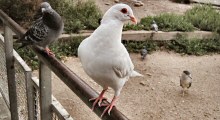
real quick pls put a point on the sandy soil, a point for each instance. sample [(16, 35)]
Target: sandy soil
[(157, 95), (151, 7)]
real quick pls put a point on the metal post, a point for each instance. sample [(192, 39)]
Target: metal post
[(45, 92), (11, 72), (30, 95)]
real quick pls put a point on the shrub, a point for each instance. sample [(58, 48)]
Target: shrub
[(165, 22), (60, 48), (79, 15), (133, 27), (172, 22), (20, 10), (204, 17), (195, 46)]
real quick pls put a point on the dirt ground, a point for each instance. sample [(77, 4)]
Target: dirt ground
[(151, 7), (157, 95)]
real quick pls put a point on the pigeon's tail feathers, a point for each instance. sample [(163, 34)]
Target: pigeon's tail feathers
[(136, 74)]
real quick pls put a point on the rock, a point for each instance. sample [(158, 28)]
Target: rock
[(138, 4), (142, 83), (148, 74), (116, 1), (107, 3)]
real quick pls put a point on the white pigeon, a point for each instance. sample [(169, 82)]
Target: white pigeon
[(45, 30), (104, 58), (185, 81)]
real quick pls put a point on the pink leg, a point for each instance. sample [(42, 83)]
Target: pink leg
[(98, 99), (49, 52), (109, 106)]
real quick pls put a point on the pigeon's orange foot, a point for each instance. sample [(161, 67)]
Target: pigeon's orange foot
[(49, 52), (109, 106), (98, 99)]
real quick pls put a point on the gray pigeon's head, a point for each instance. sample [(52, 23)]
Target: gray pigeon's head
[(45, 5), (187, 73), (52, 19)]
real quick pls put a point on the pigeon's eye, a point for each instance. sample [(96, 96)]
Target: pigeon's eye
[(124, 10)]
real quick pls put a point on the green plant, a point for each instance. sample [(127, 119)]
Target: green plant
[(136, 46), (165, 22), (78, 15), (20, 10), (133, 27), (204, 17), (172, 22), (60, 48), (195, 46), (66, 47)]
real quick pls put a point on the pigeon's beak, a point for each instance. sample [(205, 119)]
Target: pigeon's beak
[(43, 9), (133, 19)]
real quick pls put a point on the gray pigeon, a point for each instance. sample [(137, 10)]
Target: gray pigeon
[(185, 81), (154, 26), (44, 31), (143, 52)]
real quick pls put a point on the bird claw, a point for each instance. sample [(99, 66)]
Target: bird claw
[(100, 101), (108, 108), (104, 105), (49, 52), (97, 100)]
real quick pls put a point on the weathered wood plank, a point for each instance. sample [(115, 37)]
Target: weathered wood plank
[(149, 35)]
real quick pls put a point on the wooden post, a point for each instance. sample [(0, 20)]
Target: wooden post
[(45, 92), (11, 72)]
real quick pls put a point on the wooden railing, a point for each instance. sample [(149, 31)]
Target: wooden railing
[(48, 63)]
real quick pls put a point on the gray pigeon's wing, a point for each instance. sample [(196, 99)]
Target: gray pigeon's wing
[(143, 52), (189, 85), (37, 33)]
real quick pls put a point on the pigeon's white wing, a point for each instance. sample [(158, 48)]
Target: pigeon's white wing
[(123, 66)]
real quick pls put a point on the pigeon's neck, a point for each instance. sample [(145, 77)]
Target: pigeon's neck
[(53, 21), (113, 31)]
